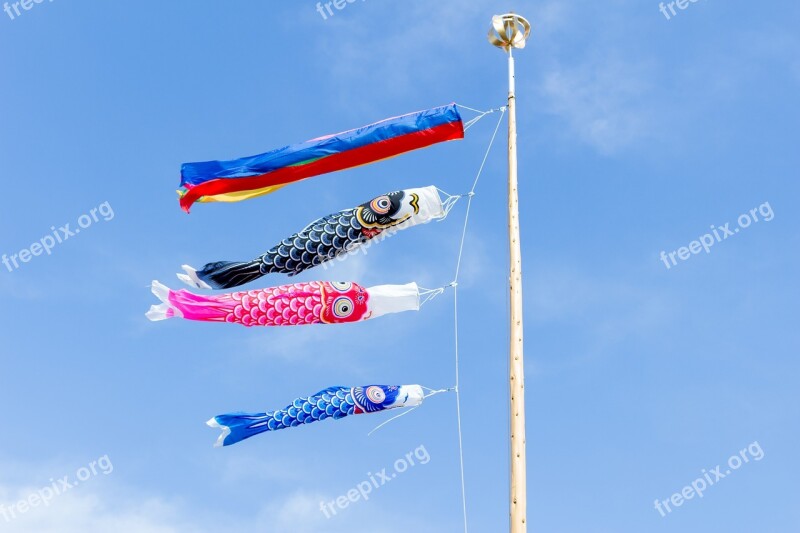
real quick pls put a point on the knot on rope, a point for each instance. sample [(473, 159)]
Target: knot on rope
[(448, 203)]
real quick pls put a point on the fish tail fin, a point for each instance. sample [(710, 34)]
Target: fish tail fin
[(185, 304), (222, 274), (236, 427), (165, 309), (158, 312), (191, 279)]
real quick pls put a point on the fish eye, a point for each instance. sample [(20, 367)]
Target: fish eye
[(343, 307), (375, 394), (381, 205), (342, 286)]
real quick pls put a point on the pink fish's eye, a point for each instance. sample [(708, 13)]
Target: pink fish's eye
[(343, 307), (341, 286)]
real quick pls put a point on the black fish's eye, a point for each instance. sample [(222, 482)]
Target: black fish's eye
[(381, 205)]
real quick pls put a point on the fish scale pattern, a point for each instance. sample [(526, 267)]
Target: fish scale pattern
[(277, 306), (322, 241), (336, 402)]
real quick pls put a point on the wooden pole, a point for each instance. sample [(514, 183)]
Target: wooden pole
[(509, 32), (516, 362)]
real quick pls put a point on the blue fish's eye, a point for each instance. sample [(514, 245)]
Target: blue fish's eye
[(376, 395)]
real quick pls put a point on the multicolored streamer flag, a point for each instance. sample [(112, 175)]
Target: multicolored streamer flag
[(333, 402), (325, 239), (315, 302), (249, 177)]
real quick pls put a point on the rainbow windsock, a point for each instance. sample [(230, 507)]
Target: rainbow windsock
[(249, 177)]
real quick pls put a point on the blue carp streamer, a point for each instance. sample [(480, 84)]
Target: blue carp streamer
[(333, 402)]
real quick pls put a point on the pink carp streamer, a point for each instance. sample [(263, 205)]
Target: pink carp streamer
[(315, 302)]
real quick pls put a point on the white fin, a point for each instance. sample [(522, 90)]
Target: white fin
[(225, 432), (160, 290), (157, 312), (191, 279)]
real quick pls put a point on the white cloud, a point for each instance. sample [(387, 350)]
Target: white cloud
[(246, 467), (607, 311), (601, 100), (300, 513), (80, 511), (84, 511), (18, 287), (355, 48), (778, 46)]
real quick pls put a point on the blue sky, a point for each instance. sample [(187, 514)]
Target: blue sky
[(637, 133)]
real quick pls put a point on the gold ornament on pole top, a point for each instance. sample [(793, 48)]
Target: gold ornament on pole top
[(509, 31)]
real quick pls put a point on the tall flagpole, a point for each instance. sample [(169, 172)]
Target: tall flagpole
[(510, 31)]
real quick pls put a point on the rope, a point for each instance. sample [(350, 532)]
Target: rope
[(481, 111), (435, 392), (379, 426), (426, 295), (448, 203), (471, 193), (468, 124), (454, 284)]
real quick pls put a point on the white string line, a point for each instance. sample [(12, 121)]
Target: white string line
[(379, 426), (447, 193), (424, 397), (479, 110), (470, 108), (471, 193), (468, 124), (426, 295), (432, 392), (473, 121), (470, 196), (449, 202)]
